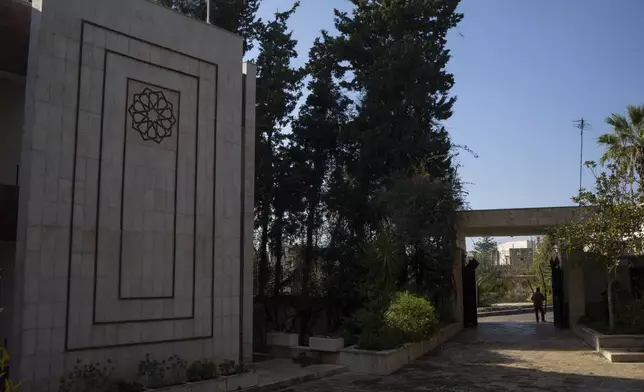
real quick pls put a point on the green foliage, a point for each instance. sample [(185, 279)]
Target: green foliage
[(202, 370), (491, 281), (152, 371), (227, 368), (630, 316), (278, 89), (412, 315), (176, 369), (237, 16), (382, 263), (612, 221), (373, 331), (625, 145), (485, 250), (541, 265), (9, 385), (92, 377)]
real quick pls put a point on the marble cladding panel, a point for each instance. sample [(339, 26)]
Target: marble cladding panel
[(144, 245), (129, 240)]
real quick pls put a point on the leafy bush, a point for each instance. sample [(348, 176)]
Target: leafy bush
[(381, 337), (8, 384), (630, 316), (374, 333), (411, 315), (92, 377), (202, 370), (152, 371)]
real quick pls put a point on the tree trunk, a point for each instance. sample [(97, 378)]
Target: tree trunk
[(277, 284), (265, 220), (611, 310), (263, 252), (308, 260)]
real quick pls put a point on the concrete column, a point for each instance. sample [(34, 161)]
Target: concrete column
[(574, 293), (459, 248)]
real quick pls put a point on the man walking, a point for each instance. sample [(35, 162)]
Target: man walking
[(537, 300)]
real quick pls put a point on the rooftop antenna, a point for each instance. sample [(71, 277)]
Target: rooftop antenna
[(581, 125)]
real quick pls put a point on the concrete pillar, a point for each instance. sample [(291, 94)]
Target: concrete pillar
[(460, 247), (574, 292)]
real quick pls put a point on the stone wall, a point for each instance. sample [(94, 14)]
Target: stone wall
[(135, 219)]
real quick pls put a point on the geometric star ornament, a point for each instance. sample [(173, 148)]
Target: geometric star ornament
[(152, 115)]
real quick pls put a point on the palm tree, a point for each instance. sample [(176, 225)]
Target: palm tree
[(625, 145)]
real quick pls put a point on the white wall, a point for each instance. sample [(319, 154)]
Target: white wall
[(84, 56)]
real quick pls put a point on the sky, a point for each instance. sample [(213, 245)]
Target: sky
[(524, 71)]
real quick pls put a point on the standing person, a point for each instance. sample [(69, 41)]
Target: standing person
[(537, 300)]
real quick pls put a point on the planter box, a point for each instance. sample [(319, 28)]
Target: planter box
[(388, 361), (282, 339), (615, 348), (221, 384), (326, 344)]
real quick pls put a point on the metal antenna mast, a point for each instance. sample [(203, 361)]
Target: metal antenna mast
[(581, 125)]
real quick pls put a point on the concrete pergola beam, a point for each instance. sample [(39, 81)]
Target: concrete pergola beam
[(514, 222)]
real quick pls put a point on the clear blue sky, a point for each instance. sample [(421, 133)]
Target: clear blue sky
[(524, 71)]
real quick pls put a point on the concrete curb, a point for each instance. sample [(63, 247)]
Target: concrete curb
[(509, 312), (276, 386)]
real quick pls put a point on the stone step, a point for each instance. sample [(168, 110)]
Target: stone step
[(624, 355)]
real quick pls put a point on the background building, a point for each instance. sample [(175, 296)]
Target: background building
[(517, 253)]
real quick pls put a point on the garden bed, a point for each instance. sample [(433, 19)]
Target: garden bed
[(282, 339), (388, 361), (614, 347), (323, 343), (220, 384)]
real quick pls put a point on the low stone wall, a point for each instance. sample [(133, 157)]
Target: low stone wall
[(598, 340), (615, 348), (388, 361)]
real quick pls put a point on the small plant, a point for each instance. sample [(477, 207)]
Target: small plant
[(412, 315), (227, 368), (88, 378), (240, 368), (201, 370), (8, 384), (177, 368), (152, 371)]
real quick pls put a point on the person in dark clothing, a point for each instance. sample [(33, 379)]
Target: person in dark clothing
[(537, 300)]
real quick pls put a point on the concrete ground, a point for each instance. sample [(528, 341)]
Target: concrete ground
[(505, 353)]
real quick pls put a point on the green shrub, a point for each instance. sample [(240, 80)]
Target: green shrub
[(412, 315), (381, 337), (630, 316), (373, 332), (202, 370)]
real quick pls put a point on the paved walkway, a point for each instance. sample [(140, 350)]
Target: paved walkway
[(506, 353)]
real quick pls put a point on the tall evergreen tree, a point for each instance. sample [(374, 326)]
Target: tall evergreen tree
[(278, 89), (237, 16), (395, 54), (397, 157), (314, 143)]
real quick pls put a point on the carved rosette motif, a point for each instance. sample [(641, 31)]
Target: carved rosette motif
[(152, 115)]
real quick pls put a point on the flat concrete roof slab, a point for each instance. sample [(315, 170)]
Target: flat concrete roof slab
[(514, 221)]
